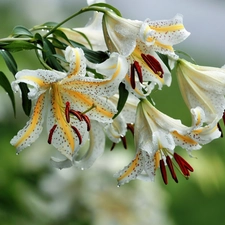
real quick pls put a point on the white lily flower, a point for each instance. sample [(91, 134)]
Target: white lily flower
[(70, 100), (202, 86), (156, 135), (146, 68)]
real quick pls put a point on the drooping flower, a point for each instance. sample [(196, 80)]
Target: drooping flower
[(156, 135), (138, 41), (202, 86), (70, 100)]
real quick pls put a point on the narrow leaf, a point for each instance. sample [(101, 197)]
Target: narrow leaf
[(21, 31), (4, 82), (19, 45), (9, 60), (123, 93)]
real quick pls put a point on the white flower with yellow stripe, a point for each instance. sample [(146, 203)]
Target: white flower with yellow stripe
[(156, 135), (138, 41), (202, 86), (69, 101)]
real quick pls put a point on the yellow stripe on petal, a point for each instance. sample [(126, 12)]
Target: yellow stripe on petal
[(33, 128), (36, 80), (131, 170), (59, 115), (184, 139), (170, 28), (85, 99)]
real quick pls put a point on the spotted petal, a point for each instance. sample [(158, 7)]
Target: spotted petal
[(38, 80), (163, 34), (33, 128)]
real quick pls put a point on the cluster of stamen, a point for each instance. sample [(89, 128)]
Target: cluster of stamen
[(153, 64), (79, 115), (184, 167), (123, 138)]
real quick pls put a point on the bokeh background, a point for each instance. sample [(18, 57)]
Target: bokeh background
[(31, 192)]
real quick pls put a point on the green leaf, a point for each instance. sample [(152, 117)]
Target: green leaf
[(26, 103), (49, 24), (123, 95), (19, 45), (92, 56), (21, 31), (48, 52), (4, 82), (9, 60)]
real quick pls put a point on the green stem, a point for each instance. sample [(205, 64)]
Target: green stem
[(86, 9), (14, 39)]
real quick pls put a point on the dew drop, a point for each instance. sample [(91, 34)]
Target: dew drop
[(17, 153), (118, 185), (82, 168)]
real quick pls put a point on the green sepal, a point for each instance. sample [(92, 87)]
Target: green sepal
[(4, 82), (123, 95)]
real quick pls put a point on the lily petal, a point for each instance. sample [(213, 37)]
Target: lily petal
[(33, 128), (38, 81), (202, 86), (163, 34), (120, 34), (95, 149)]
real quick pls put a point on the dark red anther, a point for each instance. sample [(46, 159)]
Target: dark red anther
[(67, 114), (139, 71), (113, 146), (170, 165), (163, 171), (87, 120), (51, 134), (77, 133), (77, 114), (153, 64), (183, 164), (132, 78), (124, 141), (130, 127)]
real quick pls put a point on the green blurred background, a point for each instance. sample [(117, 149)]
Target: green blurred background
[(31, 192)]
